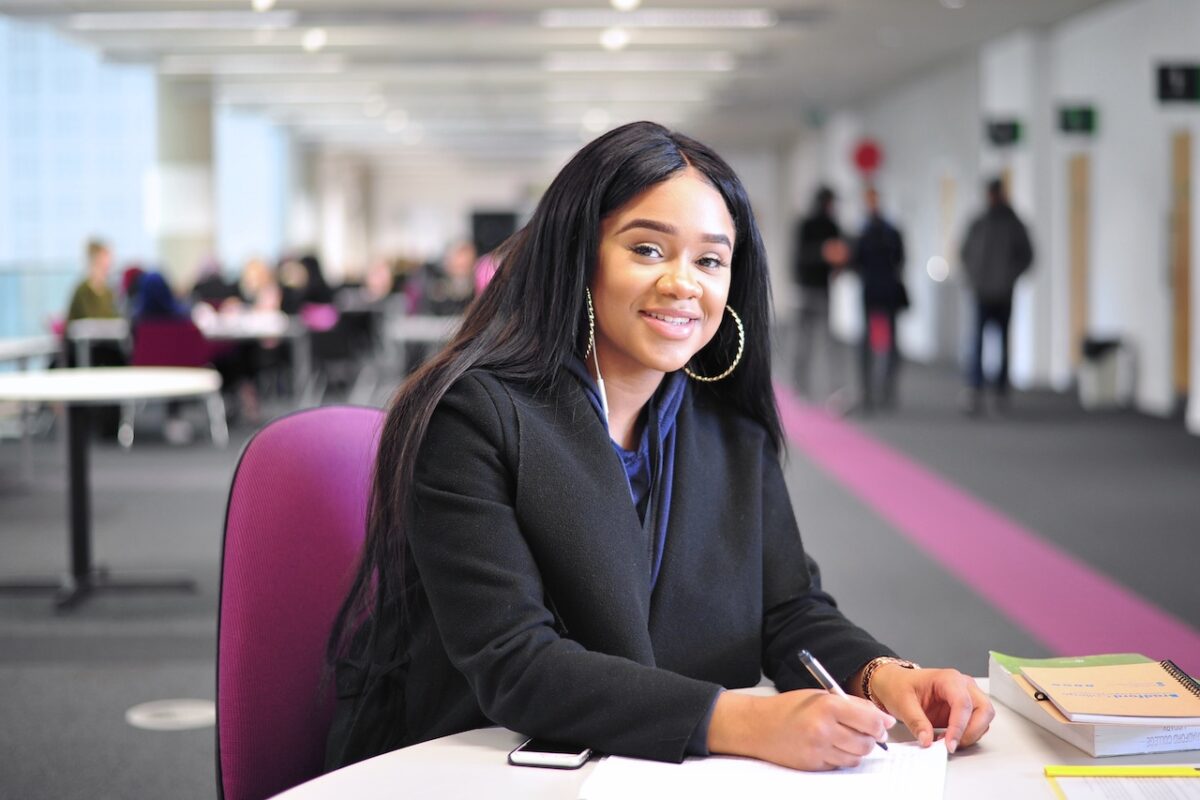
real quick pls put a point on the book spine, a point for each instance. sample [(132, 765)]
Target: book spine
[(1186, 681), (1112, 740)]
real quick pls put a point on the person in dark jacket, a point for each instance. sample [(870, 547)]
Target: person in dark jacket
[(579, 528), (996, 252), (879, 259), (819, 252)]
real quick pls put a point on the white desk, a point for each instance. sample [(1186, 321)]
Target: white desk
[(247, 326), (84, 332), (1006, 764), (78, 389), (22, 350), (413, 329)]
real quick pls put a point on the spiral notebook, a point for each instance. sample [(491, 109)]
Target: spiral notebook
[(1153, 693)]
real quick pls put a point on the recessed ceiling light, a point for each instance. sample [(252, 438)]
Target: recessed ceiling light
[(953, 3), (262, 5), (314, 39), (614, 39), (625, 5)]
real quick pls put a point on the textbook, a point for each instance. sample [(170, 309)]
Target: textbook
[(1008, 686), (1151, 693)]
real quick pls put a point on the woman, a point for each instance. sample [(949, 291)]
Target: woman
[(579, 526)]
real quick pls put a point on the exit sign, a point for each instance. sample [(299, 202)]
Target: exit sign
[(1077, 119), (1179, 83), (1003, 132)]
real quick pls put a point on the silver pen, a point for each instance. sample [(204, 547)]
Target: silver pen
[(823, 677)]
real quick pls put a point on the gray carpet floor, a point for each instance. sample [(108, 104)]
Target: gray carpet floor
[(1114, 489)]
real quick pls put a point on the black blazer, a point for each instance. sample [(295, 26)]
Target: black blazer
[(533, 607)]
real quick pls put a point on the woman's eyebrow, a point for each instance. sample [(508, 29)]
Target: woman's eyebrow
[(671, 230)]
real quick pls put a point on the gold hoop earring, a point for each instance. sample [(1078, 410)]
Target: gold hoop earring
[(736, 359), (591, 325)]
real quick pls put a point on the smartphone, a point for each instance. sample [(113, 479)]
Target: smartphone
[(544, 753)]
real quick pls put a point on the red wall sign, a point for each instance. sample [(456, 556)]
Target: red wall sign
[(868, 156)]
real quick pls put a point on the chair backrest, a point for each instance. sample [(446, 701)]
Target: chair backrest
[(294, 529), (169, 343)]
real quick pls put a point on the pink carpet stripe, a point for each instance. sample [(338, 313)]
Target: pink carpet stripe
[(1060, 601)]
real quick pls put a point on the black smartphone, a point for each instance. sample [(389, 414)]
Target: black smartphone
[(544, 753)]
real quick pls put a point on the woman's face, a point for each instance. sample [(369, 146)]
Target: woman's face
[(662, 278)]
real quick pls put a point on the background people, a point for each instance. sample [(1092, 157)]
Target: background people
[(995, 253), (819, 252), (879, 259), (93, 298)]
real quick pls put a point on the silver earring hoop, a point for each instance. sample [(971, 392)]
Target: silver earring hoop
[(591, 325), (736, 359)]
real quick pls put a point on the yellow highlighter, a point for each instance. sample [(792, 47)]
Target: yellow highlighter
[(1134, 771), (1074, 781)]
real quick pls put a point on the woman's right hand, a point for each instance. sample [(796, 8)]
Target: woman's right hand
[(805, 729)]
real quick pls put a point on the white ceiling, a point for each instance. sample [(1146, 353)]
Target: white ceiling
[(517, 79)]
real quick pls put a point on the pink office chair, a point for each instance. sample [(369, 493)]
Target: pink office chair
[(173, 343), (294, 529)]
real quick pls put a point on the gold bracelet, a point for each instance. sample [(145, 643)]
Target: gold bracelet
[(869, 673)]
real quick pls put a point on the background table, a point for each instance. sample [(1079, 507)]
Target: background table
[(262, 326), (1006, 764), (83, 333), (21, 350), (78, 389)]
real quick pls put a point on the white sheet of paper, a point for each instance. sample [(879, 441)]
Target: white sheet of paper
[(904, 771), (1114, 788)]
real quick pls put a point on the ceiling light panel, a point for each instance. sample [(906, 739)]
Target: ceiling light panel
[(182, 20), (252, 65), (637, 62)]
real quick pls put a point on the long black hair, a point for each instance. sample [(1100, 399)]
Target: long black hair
[(531, 319)]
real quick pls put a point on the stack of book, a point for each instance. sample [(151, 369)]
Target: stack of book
[(1108, 705)]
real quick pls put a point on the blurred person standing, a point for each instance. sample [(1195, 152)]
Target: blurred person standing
[(879, 259), (996, 252), (93, 298), (819, 252)]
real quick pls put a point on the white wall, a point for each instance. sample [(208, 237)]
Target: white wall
[(932, 129), (417, 213), (930, 136), (1108, 58)]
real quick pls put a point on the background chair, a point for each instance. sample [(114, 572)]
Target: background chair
[(173, 343), (294, 529)]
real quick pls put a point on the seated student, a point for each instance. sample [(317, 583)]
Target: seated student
[(579, 526)]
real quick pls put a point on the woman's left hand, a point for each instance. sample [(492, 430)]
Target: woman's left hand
[(924, 699)]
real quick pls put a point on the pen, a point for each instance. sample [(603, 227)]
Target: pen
[(822, 677)]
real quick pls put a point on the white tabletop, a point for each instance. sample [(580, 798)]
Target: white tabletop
[(244, 325), (12, 349), (94, 329), (108, 384), (1006, 764), (423, 328)]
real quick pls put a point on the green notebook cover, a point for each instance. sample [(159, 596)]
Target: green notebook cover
[(1014, 663)]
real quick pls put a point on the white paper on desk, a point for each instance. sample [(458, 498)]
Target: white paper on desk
[(1128, 788), (904, 772)]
